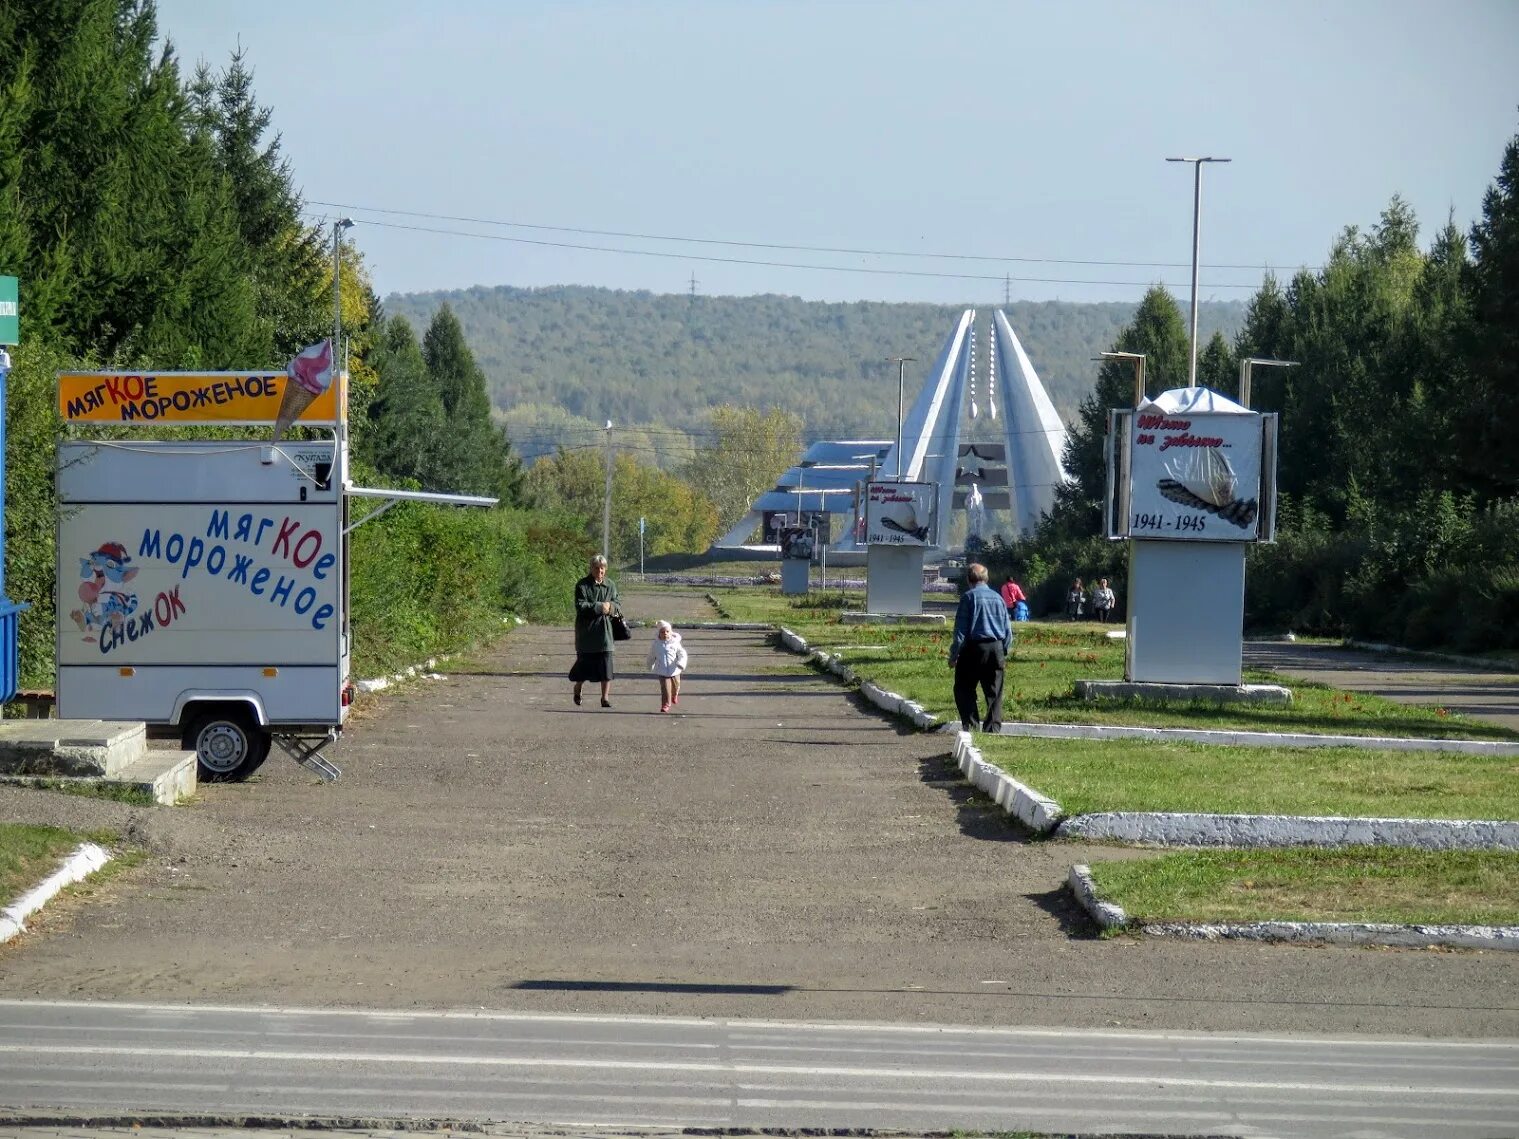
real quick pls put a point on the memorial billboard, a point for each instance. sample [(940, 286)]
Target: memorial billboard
[(900, 514)]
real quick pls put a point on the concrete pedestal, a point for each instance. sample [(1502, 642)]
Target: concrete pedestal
[(1186, 612), (795, 576), (894, 579)]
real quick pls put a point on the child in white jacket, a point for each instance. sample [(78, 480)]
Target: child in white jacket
[(667, 657)]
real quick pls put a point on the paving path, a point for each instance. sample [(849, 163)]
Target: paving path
[(775, 850), (1488, 695)]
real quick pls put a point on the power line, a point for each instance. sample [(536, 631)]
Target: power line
[(785, 264), (782, 246)]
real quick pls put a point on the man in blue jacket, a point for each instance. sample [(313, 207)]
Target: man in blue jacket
[(978, 652)]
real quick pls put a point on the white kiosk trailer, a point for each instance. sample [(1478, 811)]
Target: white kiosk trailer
[(203, 585)]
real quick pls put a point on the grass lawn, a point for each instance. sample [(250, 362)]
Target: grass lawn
[(1352, 884), (1133, 775), (1050, 656), (29, 854)]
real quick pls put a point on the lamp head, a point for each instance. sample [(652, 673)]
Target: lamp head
[(344, 223)]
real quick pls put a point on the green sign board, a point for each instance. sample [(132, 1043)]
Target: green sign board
[(10, 311)]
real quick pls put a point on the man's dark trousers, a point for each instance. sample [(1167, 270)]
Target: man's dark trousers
[(980, 664)]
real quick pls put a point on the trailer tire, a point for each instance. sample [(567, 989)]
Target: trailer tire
[(228, 744)]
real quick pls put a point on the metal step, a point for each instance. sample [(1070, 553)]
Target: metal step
[(309, 755)]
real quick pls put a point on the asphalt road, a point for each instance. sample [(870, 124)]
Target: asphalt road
[(670, 1073), (1487, 695)]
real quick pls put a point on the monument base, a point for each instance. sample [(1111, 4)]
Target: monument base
[(1183, 693), (856, 618), (894, 579), (796, 577)]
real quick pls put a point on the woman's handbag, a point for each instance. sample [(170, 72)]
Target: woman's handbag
[(620, 630)]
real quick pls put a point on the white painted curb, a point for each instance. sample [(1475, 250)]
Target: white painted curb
[(1251, 739), (1039, 813), (889, 702), (424, 670), (85, 860), (1106, 914), (1179, 828), (1109, 916)]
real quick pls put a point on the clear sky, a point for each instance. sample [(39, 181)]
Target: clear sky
[(976, 128)]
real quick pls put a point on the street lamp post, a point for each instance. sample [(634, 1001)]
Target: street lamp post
[(1244, 373), (1197, 203), (1139, 371), (337, 292), (901, 362)]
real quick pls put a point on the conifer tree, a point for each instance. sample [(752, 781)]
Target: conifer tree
[(474, 452), (286, 260), (1488, 456), (407, 424)]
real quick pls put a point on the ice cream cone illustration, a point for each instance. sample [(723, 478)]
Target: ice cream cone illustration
[(310, 374)]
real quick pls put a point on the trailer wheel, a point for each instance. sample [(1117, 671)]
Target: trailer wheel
[(227, 742)]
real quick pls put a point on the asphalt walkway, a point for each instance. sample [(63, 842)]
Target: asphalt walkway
[(1488, 695)]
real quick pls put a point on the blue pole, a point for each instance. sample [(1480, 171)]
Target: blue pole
[(10, 651)]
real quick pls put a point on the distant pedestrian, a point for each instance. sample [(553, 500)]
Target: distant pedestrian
[(667, 657), (978, 651), (1103, 601), (595, 605), (1012, 594), (1076, 601)]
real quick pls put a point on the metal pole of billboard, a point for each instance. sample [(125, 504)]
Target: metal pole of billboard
[(1197, 206), (1244, 373), (901, 362)]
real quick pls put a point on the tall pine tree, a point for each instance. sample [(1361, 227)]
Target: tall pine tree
[(1488, 455), (473, 455)]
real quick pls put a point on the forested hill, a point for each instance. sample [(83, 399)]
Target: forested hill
[(562, 357)]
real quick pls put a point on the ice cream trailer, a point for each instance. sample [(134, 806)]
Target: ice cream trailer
[(203, 585)]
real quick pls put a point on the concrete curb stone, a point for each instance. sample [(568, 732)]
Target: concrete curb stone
[(1266, 831), (889, 702), (1110, 916), (84, 861), (1252, 739)]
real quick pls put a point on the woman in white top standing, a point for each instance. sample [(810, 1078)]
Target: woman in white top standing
[(1103, 601)]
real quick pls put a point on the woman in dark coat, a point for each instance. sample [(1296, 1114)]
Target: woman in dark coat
[(595, 602)]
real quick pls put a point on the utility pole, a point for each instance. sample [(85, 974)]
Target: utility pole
[(606, 508), (337, 292), (1007, 290)]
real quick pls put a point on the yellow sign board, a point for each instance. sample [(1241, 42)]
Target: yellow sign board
[(222, 398)]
